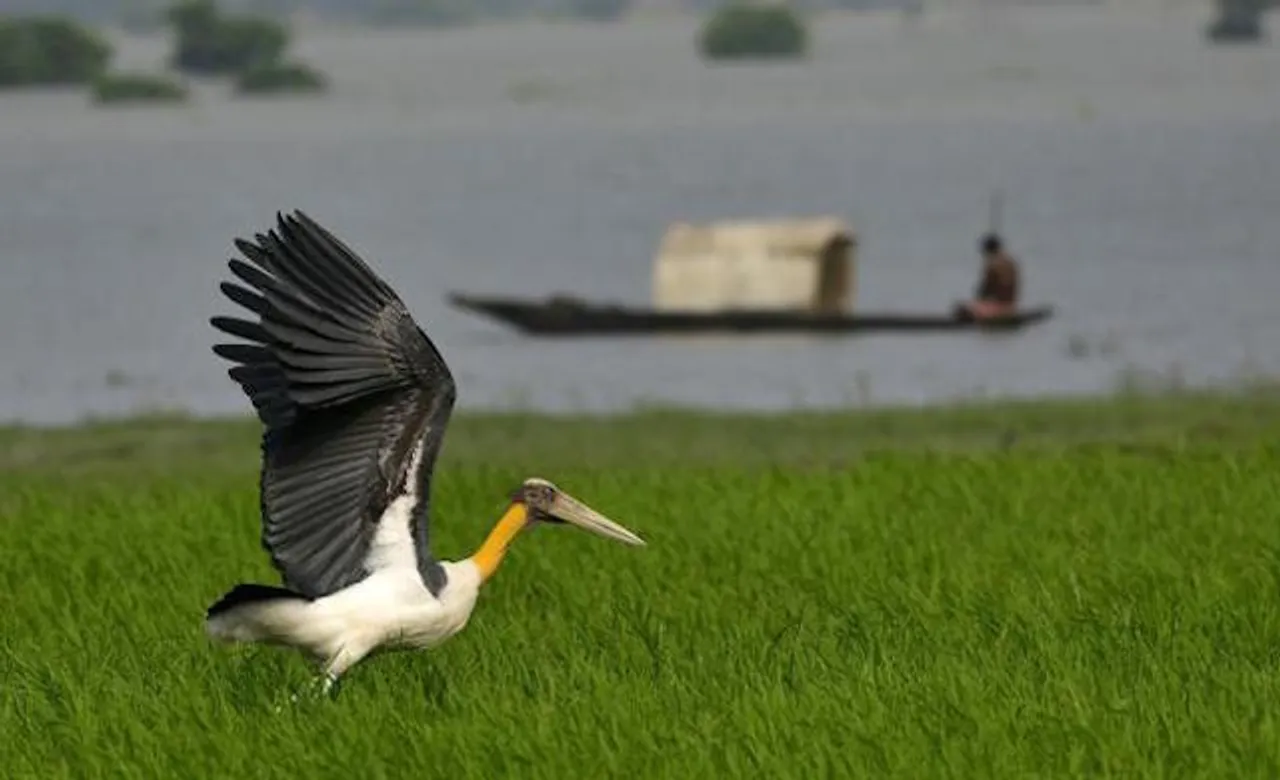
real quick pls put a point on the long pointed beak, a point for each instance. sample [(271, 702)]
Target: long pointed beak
[(571, 510)]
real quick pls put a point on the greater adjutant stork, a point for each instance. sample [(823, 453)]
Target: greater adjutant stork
[(355, 399)]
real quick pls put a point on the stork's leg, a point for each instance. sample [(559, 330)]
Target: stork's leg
[(344, 659), (326, 685), (322, 686)]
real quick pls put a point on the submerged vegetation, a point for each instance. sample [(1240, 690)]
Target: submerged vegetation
[(1049, 589), (747, 31), (274, 77), (135, 88)]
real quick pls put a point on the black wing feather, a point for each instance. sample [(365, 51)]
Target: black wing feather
[(332, 251), (233, 326), (250, 300), (347, 386), (291, 307), (342, 296)]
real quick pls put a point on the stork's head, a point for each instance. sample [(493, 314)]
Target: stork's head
[(546, 503), (539, 501)]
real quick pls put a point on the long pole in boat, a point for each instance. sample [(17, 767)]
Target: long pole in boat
[(994, 212)]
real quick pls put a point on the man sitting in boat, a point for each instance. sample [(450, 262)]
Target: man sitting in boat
[(997, 294)]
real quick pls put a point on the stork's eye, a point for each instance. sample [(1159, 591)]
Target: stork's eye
[(537, 495)]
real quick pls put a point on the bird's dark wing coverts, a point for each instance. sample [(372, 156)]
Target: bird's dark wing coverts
[(346, 384)]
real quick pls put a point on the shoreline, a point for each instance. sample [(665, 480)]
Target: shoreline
[(1241, 417)]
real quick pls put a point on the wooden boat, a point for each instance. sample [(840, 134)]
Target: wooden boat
[(738, 276), (563, 316)]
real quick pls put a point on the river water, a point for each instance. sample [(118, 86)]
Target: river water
[(1141, 172)]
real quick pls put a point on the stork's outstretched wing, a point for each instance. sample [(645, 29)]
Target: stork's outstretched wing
[(347, 386)]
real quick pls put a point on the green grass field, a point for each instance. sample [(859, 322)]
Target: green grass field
[(1056, 589)]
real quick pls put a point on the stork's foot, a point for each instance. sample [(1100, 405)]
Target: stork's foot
[(323, 687)]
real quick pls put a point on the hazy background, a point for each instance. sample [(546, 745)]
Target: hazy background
[(1140, 166)]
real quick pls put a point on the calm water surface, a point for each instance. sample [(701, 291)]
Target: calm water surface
[(1142, 173)]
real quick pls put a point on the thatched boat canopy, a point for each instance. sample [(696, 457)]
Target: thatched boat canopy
[(780, 264)]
